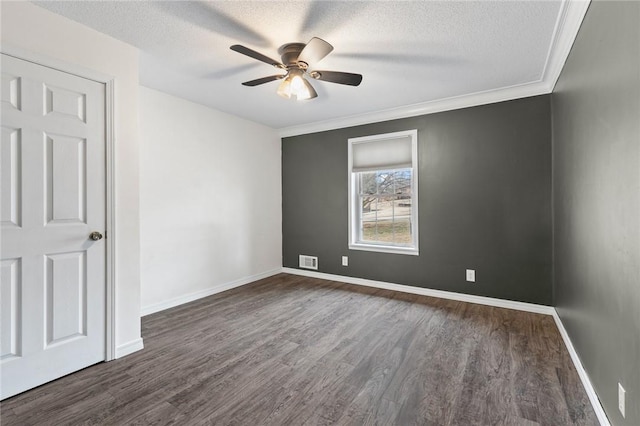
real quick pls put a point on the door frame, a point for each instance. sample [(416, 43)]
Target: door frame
[(110, 189)]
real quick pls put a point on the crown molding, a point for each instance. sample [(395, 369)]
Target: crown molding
[(568, 23), (423, 108), (572, 13)]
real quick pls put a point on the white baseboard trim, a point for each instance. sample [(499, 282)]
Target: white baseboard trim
[(157, 307), (482, 300), (584, 377), (129, 347)]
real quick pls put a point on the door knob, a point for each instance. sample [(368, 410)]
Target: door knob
[(95, 236)]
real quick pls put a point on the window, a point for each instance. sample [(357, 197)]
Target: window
[(383, 196)]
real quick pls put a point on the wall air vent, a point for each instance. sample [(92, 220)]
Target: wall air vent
[(308, 262)]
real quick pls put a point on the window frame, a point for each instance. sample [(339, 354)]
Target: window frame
[(354, 210)]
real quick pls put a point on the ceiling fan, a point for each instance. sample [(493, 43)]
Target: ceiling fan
[(296, 59)]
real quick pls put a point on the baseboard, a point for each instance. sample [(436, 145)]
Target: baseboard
[(481, 300), (157, 307), (584, 377), (129, 347)]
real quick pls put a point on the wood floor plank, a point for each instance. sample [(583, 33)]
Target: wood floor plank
[(428, 383), (291, 350)]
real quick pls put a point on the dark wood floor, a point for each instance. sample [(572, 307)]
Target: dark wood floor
[(290, 350)]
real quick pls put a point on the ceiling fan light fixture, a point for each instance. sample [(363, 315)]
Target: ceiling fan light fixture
[(296, 59), (296, 86)]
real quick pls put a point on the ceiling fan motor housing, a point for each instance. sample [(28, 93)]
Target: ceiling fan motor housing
[(290, 52)]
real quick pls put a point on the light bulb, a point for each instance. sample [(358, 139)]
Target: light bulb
[(295, 86), (284, 89)]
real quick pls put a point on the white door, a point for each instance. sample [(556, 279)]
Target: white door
[(53, 288)]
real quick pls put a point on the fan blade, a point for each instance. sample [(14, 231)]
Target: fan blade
[(314, 51), (255, 55), (338, 77), (263, 80)]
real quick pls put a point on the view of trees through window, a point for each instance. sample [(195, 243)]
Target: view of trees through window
[(385, 206)]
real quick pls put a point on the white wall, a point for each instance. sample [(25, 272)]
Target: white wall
[(59, 42), (210, 200)]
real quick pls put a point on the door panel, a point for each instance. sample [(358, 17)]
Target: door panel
[(11, 86), (53, 196), (11, 170), (63, 102), (10, 306), (66, 304), (65, 172)]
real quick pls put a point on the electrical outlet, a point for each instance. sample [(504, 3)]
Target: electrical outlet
[(621, 397), (345, 260), (471, 275)]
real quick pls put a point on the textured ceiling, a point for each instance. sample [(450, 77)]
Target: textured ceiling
[(409, 52)]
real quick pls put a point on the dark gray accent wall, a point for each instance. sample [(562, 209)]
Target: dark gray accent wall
[(484, 202), (596, 185)]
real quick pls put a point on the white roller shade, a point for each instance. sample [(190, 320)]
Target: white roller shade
[(383, 154)]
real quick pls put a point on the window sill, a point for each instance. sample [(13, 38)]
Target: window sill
[(385, 249)]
